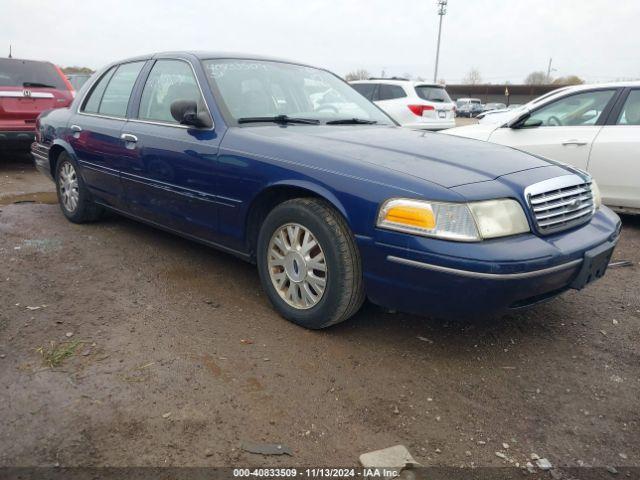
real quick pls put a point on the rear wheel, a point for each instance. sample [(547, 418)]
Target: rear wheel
[(309, 264), (73, 196)]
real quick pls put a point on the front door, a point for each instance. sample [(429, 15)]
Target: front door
[(169, 172), (615, 156), (563, 130), (95, 132)]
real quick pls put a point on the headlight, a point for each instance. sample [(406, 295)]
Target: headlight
[(595, 192), (464, 222)]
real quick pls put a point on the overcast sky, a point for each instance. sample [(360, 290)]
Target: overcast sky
[(598, 40)]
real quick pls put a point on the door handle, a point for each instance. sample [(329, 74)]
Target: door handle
[(76, 128), (578, 143), (127, 137)]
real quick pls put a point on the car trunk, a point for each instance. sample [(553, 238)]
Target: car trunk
[(27, 88), (21, 106), (437, 98)]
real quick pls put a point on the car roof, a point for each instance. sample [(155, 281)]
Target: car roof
[(207, 55)]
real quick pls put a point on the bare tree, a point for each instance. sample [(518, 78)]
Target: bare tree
[(359, 74), (537, 78), (569, 80), (473, 77)]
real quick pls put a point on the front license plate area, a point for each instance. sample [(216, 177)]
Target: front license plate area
[(594, 265)]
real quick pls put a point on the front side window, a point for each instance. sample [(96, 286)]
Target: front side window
[(630, 114), (257, 88), (574, 110), (433, 94), (168, 81), (390, 92), (118, 91)]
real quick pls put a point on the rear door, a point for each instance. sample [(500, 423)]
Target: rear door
[(95, 132), (615, 157), (563, 130), (169, 174), (393, 100)]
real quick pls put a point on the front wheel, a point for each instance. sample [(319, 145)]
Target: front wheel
[(309, 263)]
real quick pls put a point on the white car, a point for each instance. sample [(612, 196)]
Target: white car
[(595, 128), (415, 105)]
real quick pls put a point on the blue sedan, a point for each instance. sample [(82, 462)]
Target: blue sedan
[(285, 165)]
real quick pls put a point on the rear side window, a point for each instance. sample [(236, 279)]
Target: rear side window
[(92, 103), (433, 94), (116, 96), (29, 74), (365, 89), (169, 80), (390, 92)]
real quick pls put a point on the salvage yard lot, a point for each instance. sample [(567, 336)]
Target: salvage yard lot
[(175, 358)]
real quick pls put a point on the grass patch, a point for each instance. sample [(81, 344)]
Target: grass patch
[(55, 355)]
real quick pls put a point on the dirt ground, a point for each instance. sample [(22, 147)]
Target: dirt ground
[(180, 359)]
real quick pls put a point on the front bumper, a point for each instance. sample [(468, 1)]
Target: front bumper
[(16, 140), (450, 279)]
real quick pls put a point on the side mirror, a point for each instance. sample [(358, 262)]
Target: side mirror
[(520, 121), (186, 113)]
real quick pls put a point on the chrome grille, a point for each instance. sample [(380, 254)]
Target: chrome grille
[(560, 203)]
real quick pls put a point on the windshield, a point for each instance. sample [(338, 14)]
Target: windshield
[(433, 94), (27, 73), (260, 89)]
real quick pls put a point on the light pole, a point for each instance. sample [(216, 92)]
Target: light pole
[(442, 11)]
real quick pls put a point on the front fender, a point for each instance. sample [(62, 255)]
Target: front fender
[(319, 190)]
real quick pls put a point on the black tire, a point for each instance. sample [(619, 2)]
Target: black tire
[(344, 291), (85, 210)]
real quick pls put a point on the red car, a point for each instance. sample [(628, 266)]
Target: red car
[(27, 88)]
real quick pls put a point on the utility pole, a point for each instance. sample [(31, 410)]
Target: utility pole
[(442, 11), (549, 70), (10, 51)]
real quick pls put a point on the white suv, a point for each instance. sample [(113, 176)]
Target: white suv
[(412, 104)]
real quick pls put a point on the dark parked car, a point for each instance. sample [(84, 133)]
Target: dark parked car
[(27, 88), (334, 205)]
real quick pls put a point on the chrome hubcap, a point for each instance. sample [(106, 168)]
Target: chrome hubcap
[(297, 266), (68, 185)]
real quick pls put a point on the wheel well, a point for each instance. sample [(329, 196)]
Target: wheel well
[(54, 153), (267, 201)]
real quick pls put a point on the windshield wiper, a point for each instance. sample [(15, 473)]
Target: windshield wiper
[(37, 85), (351, 121), (279, 119)]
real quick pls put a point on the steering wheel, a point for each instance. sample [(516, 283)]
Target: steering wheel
[(554, 121)]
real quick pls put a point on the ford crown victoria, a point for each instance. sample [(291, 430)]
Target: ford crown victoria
[(334, 205)]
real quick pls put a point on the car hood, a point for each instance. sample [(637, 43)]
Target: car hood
[(478, 131), (442, 159)]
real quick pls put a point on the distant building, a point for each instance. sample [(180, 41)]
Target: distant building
[(496, 93)]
